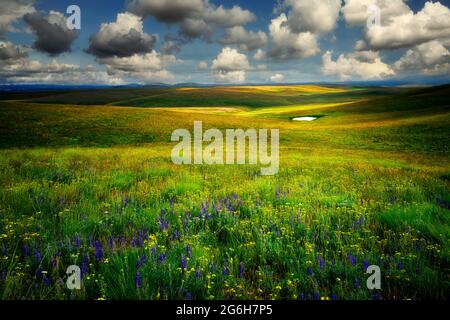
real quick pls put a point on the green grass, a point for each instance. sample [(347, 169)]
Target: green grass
[(367, 182)]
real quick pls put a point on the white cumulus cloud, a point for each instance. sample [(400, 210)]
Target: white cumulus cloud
[(230, 66), (366, 65)]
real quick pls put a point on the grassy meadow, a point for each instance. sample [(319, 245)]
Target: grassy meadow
[(86, 179)]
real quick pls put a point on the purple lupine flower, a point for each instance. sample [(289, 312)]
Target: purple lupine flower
[(140, 239), (183, 263), (316, 296), (301, 296), (39, 272), (133, 242), (98, 251), (189, 296), (226, 271), (47, 281), (198, 273), (138, 280), (399, 266), (91, 242), (85, 266), (53, 262), (153, 251), (241, 270), (38, 256), (365, 265), (26, 251), (162, 257), (308, 296), (141, 261), (110, 243), (309, 271), (145, 233), (321, 263), (162, 224), (77, 241), (352, 259), (188, 251), (333, 297), (357, 284)]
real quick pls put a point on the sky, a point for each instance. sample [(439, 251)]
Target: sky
[(225, 42)]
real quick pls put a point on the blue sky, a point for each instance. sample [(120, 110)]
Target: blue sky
[(310, 41)]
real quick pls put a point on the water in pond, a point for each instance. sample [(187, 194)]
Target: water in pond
[(304, 119)]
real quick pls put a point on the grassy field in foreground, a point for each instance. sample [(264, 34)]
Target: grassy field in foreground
[(86, 179)]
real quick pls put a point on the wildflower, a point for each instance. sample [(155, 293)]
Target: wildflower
[(98, 251), (138, 280), (352, 259), (153, 251), (301, 296), (140, 239), (47, 281), (321, 263), (162, 224), (110, 242), (145, 233), (26, 251), (189, 296), (141, 261), (188, 251), (309, 271), (241, 270), (399, 266), (393, 199), (39, 272), (365, 265), (133, 242), (77, 241), (38, 256), (316, 296), (226, 271), (162, 257), (333, 297), (308, 296), (198, 274), (85, 266), (183, 263), (357, 284), (53, 262)]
